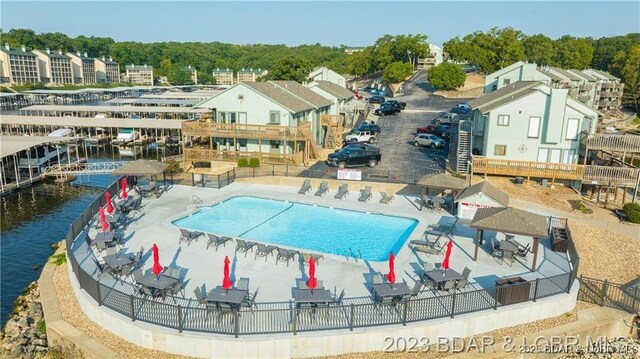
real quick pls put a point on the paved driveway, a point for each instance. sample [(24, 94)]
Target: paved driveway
[(401, 161)]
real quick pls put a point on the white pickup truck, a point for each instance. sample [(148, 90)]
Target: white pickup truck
[(361, 136)]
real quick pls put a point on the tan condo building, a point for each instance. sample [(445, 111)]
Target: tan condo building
[(107, 70), (55, 67), (140, 74), (18, 66), (250, 75), (194, 74), (224, 76), (83, 68)]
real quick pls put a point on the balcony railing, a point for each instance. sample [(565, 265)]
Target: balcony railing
[(227, 130)]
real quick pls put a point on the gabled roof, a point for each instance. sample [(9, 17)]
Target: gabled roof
[(511, 220), (252, 71), (304, 93), (582, 75), (11, 51), (605, 74), (551, 75), (488, 190), (567, 74), (227, 70), (52, 54), (503, 70), (442, 180), (334, 89), (503, 95), (139, 67)]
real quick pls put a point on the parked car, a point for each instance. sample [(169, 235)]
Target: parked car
[(369, 127), (464, 105), (385, 111), (399, 104), (428, 139), (427, 129), (443, 131), (355, 155), (376, 99), (459, 110), (444, 117), (361, 136), (367, 89)]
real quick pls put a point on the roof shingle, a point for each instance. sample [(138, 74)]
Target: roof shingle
[(488, 189), (503, 95), (511, 220), (334, 89)]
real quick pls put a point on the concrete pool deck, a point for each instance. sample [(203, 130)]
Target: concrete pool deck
[(276, 282)]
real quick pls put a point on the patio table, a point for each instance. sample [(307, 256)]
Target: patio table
[(439, 276), (105, 237), (159, 284), (314, 296), (117, 261), (383, 290), (231, 296)]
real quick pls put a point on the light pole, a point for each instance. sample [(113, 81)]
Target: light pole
[(409, 55)]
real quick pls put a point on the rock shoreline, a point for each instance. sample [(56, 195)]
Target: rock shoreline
[(24, 335)]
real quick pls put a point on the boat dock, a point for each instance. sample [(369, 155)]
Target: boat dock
[(125, 111), (168, 102)]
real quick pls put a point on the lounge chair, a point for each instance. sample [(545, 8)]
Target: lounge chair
[(386, 197), (323, 189), (188, 236), (422, 242), (306, 257), (343, 190), (217, 241), (264, 250), (306, 187), (243, 246), (284, 255), (365, 195), (426, 249)]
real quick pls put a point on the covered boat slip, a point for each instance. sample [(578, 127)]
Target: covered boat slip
[(167, 102), (125, 111)]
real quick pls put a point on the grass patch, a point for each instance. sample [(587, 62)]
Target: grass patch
[(579, 206), (58, 259), (41, 327)]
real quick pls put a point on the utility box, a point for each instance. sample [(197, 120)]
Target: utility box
[(519, 180), (512, 290)]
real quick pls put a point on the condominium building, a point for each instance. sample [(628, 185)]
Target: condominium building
[(140, 74), (18, 66), (609, 90), (194, 73), (224, 76), (250, 75), (83, 68), (55, 67), (107, 70), (326, 74), (434, 58)]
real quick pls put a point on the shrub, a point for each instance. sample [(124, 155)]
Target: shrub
[(397, 71), (446, 76), (59, 259), (254, 162), (632, 210), (41, 327), (243, 162)]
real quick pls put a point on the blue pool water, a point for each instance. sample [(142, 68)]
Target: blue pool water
[(303, 226)]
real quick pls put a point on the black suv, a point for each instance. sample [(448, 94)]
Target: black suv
[(397, 104), (355, 155), (368, 127), (385, 110), (376, 99)]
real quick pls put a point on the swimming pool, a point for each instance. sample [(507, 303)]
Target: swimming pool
[(321, 229)]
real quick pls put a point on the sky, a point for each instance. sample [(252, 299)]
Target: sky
[(333, 23)]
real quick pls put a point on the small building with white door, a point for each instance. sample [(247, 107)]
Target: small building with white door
[(480, 195)]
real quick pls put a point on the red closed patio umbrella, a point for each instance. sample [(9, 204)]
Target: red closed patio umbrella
[(123, 184), (312, 283), (107, 197), (391, 276), (157, 267), (103, 220), (226, 281), (447, 255)]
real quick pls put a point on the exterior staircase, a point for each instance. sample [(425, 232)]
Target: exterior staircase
[(310, 143), (333, 137), (460, 147)]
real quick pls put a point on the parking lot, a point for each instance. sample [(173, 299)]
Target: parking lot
[(401, 160)]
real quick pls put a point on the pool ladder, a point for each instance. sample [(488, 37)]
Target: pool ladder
[(196, 200)]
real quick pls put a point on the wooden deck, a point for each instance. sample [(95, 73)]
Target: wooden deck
[(601, 175), (268, 132), (609, 142)]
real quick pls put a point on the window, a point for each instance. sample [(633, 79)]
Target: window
[(572, 128), (543, 154), (555, 156), (274, 116), (275, 145), (500, 150), (503, 120), (534, 127), (242, 142), (568, 156), (505, 82)]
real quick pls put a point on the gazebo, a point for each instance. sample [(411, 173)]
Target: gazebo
[(442, 181), (143, 168), (513, 221)]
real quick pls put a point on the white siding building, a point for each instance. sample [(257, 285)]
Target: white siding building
[(140, 74), (338, 95), (480, 195), (55, 67), (326, 74), (18, 66), (107, 70)]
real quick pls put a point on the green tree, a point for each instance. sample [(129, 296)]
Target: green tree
[(446, 76), (627, 66), (360, 63), (539, 49), (206, 78), (606, 48), (179, 75), (397, 71), (573, 52), (490, 51), (290, 68)]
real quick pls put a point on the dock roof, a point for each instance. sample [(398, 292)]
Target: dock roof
[(10, 145), (154, 101), (125, 108), (90, 122)]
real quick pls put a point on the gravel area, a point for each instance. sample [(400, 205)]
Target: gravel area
[(73, 314), (605, 254)]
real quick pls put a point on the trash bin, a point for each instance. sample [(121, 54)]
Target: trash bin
[(512, 290), (544, 182), (519, 180)]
